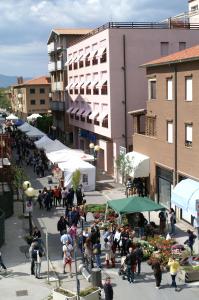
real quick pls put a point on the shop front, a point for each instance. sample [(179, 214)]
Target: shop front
[(164, 179)]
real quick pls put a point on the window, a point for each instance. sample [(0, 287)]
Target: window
[(103, 59), (169, 89), (104, 90), (152, 89), (188, 135), (182, 45), (194, 8), (87, 61), (188, 88), (81, 64), (42, 101), (32, 91), (105, 122), (88, 89), (42, 91), (170, 132), (32, 102), (70, 67), (150, 126), (164, 48), (75, 65)]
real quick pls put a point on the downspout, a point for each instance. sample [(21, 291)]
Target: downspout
[(175, 179), (125, 92)]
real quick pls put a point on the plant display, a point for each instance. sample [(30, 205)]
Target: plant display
[(87, 291), (64, 292)]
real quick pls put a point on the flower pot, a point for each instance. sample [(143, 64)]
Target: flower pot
[(62, 294), (95, 295)]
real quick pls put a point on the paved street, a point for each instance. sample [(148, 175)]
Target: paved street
[(21, 281)]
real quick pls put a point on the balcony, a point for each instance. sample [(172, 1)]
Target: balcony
[(57, 86), (59, 65), (51, 66), (51, 47), (57, 106)]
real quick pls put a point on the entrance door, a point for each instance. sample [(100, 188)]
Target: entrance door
[(164, 184)]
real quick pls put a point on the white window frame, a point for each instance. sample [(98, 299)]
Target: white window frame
[(169, 88), (188, 134), (170, 132), (150, 89), (188, 88)]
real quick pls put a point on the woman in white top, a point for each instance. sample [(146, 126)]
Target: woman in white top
[(67, 257)]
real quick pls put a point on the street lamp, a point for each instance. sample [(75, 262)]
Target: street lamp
[(94, 149), (30, 193)]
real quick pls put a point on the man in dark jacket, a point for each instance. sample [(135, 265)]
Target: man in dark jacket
[(108, 290), (130, 262), (61, 225), (139, 256)]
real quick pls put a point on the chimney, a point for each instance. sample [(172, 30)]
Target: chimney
[(20, 80)]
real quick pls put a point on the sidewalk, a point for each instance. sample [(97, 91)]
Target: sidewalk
[(22, 282)]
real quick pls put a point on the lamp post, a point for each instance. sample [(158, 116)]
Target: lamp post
[(30, 193), (94, 149)]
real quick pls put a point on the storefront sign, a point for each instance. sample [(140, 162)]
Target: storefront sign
[(28, 206)]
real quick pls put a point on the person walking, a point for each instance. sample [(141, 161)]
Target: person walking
[(191, 240), (157, 271), (172, 219), (1, 262), (130, 262), (39, 255), (174, 268), (162, 218), (108, 289), (139, 256), (67, 257), (62, 224), (97, 253), (40, 200)]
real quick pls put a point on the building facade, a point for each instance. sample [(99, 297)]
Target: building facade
[(57, 50), (171, 135), (105, 81), (31, 96)]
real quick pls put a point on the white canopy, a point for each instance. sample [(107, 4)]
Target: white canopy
[(88, 173), (68, 154), (55, 146), (185, 194), (140, 164), (35, 132), (12, 117), (40, 144), (25, 127), (33, 117)]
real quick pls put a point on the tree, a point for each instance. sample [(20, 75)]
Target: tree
[(4, 100), (76, 176), (18, 177), (44, 123), (124, 166)]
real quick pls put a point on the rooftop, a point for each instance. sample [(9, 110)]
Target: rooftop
[(42, 80), (188, 54), (68, 31)]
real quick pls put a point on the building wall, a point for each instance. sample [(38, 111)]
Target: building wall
[(141, 45), (194, 11), (161, 153)]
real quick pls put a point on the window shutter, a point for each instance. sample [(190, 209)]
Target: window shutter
[(189, 89), (189, 133), (170, 132), (169, 89)]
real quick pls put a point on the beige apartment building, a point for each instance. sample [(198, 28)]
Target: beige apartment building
[(31, 96), (57, 45), (171, 135)]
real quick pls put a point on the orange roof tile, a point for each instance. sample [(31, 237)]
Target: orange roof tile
[(71, 30), (37, 81), (188, 54)]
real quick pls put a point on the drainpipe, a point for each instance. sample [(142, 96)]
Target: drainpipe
[(175, 179), (125, 92)]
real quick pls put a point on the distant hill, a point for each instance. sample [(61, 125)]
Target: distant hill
[(6, 81)]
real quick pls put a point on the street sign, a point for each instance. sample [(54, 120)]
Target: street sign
[(28, 206)]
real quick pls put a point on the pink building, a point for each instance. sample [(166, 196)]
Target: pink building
[(105, 81)]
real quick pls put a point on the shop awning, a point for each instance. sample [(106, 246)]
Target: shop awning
[(140, 164), (102, 116), (69, 61), (73, 112), (86, 113), (134, 204), (101, 83), (94, 82), (70, 109), (86, 83), (101, 51), (93, 114), (185, 194), (93, 53), (80, 112), (69, 85)]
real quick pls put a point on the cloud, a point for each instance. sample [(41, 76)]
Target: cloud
[(26, 24)]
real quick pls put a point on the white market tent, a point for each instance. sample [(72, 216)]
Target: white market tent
[(66, 154), (25, 127), (88, 173), (33, 117), (12, 117), (55, 146), (140, 164), (35, 132), (40, 144)]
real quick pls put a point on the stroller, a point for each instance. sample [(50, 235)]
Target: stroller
[(123, 268)]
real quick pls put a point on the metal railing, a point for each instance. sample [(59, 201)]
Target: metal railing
[(168, 24)]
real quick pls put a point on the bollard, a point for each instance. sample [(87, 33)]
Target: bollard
[(96, 277)]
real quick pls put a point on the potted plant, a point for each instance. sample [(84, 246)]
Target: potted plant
[(91, 293), (63, 294)]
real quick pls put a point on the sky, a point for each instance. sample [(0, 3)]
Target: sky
[(25, 25)]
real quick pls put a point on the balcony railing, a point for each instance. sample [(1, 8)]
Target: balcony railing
[(57, 86), (168, 24), (59, 65), (51, 47), (51, 66)]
